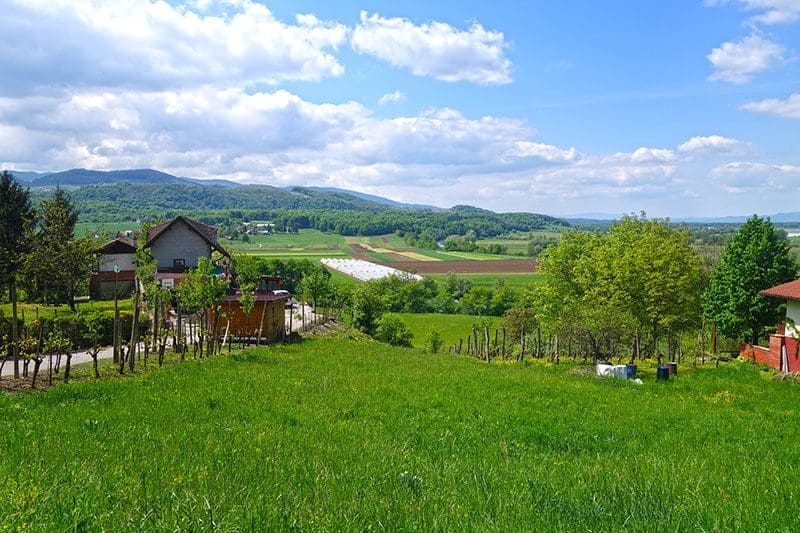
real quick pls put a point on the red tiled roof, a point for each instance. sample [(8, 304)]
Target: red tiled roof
[(208, 233), (790, 290)]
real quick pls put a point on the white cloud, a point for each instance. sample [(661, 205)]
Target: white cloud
[(388, 98), (548, 152), (743, 176), (789, 108), (714, 144), (771, 11), (642, 155), (436, 49), (739, 62), (151, 45)]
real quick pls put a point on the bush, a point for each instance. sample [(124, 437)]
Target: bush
[(76, 328), (393, 331), (433, 341)]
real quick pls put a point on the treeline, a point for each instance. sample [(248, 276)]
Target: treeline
[(290, 210)]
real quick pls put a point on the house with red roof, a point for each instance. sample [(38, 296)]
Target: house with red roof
[(784, 345)]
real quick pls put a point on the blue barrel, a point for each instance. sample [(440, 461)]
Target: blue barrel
[(630, 371), (662, 372)]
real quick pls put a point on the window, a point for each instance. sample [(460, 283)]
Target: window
[(179, 263)]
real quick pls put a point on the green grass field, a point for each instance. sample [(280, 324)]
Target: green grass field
[(83, 228), (450, 327), (305, 242), (335, 434)]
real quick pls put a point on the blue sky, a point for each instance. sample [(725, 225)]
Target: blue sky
[(684, 108)]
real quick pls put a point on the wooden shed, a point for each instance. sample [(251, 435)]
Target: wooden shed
[(268, 314)]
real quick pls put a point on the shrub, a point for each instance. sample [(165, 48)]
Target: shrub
[(433, 341), (393, 331)]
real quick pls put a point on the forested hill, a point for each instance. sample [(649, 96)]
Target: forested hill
[(297, 208)]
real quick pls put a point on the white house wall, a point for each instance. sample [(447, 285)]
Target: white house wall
[(179, 242), (106, 262), (793, 318)]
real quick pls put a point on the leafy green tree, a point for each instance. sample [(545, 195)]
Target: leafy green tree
[(392, 330), (316, 285), (16, 218), (756, 258), (201, 292), (642, 276), (539, 243), (58, 265), (476, 302), (519, 320), (367, 305)]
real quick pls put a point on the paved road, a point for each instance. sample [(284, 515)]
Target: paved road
[(77, 358)]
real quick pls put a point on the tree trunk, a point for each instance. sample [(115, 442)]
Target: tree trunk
[(94, 353), (12, 294), (68, 367), (134, 331), (37, 362)]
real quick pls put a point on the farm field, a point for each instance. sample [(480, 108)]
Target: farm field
[(387, 249), (513, 280), (338, 434), (84, 228)]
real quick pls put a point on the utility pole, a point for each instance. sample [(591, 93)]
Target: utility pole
[(116, 315)]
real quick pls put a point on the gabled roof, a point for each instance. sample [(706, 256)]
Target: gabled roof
[(790, 290), (117, 246), (258, 297), (208, 233)]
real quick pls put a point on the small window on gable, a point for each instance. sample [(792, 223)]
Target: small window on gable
[(179, 263)]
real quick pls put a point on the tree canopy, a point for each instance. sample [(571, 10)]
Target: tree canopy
[(640, 277), (756, 258)]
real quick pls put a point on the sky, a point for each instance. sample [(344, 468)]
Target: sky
[(679, 108)]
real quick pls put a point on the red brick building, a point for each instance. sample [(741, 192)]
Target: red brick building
[(784, 347)]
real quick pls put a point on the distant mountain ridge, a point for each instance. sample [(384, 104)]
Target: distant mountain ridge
[(79, 177), (377, 199)]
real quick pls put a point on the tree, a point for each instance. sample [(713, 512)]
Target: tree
[(392, 330), (642, 276), (16, 218), (367, 305), (201, 292), (756, 258), (316, 285), (58, 266)]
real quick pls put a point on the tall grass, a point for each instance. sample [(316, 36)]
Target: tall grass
[(340, 434)]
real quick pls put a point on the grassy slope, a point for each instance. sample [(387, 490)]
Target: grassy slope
[(450, 327), (336, 434)]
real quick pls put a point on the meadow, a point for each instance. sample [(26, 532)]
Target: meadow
[(450, 327), (346, 433)]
